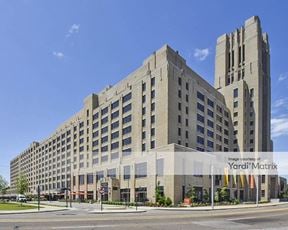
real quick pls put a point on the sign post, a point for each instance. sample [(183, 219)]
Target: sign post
[(101, 195)]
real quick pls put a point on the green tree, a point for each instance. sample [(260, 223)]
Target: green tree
[(3, 185), (158, 192), (205, 195), (224, 194), (22, 184), (191, 193)]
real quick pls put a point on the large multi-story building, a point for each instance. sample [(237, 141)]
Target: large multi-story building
[(242, 75), (120, 135)]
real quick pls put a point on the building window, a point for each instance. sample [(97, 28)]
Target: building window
[(114, 104), (143, 98), (200, 107), (143, 135), (114, 156), (153, 132), (200, 129), (200, 118), (179, 81), (127, 174), (111, 173), (115, 125), (141, 170), (127, 119), (263, 177), (152, 144), (210, 133), (153, 94), (143, 86), (179, 131), (126, 152), (143, 147), (187, 86), (126, 141), (127, 130), (104, 111), (210, 113), (235, 93), (179, 119), (104, 139), (210, 123), (95, 125), (235, 114), (153, 119), (179, 107), (153, 81), (127, 108), (127, 97), (160, 167), (200, 140), (210, 103), (143, 110), (99, 175), (95, 116), (114, 145), (104, 148), (179, 94), (153, 107), (210, 144), (114, 115), (235, 104), (200, 96), (104, 130), (143, 123), (104, 120), (89, 178)]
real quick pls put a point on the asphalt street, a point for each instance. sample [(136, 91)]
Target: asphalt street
[(274, 217)]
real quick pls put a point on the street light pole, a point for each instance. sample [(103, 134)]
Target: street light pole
[(38, 194), (212, 188)]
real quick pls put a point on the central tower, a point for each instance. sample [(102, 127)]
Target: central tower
[(242, 75)]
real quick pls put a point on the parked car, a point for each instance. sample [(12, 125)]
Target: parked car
[(21, 198)]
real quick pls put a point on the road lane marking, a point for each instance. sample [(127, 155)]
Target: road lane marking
[(87, 226)]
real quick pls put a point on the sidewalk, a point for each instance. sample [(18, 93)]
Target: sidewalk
[(209, 208), (43, 208)]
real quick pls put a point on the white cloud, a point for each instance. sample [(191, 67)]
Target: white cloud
[(283, 76), (283, 102), (201, 54), (58, 55), (279, 126), (75, 28)]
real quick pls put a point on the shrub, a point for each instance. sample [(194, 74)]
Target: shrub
[(168, 201), (162, 201)]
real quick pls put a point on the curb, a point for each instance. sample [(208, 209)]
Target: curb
[(217, 209), (33, 211)]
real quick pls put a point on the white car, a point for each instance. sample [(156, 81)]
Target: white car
[(21, 198)]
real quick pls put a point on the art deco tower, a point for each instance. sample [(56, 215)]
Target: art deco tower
[(242, 75)]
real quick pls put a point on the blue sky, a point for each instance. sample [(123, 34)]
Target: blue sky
[(54, 53)]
